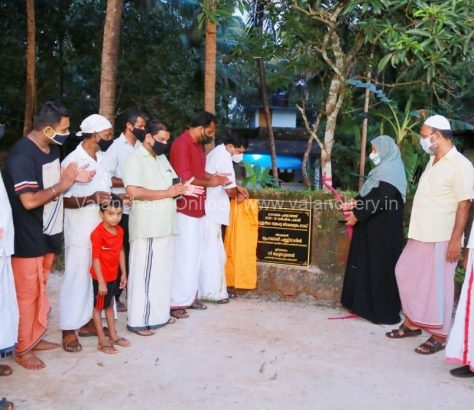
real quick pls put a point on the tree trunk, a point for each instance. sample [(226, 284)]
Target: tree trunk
[(304, 166), (210, 65), (365, 126), (110, 51), (268, 118), (333, 105), (30, 101)]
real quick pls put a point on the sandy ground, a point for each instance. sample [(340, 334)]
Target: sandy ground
[(249, 354)]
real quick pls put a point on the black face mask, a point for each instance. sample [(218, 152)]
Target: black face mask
[(207, 140), (139, 134), (105, 144), (160, 148)]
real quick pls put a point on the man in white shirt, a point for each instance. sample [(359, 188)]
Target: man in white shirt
[(8, 302), (81, 217), (129, 140), (460, 347), (212, 286)]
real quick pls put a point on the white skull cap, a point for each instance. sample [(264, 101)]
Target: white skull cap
[(438, 121), (94, 123)]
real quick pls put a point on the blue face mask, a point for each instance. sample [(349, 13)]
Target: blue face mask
[(59, 139)]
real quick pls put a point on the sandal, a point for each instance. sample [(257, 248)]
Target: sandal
[(402, 332), (6, 405), (222, 301), (82, 333), (431, 346), (197, 306), (145, 332), (179, 313), (108, 349), (120, 341), (5, 370), (170, 321), (71, 343), (121, 307)]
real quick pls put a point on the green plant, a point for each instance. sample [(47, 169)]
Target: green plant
[(459, 275), (402, 125), (257, 177)]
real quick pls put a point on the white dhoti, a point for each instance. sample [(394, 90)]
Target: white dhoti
[(149, 283), (8, 307), (76, 297), (212, 283), (187, 261), (460, 347)]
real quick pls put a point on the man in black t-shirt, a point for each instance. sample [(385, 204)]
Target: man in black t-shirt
[(35, 184)]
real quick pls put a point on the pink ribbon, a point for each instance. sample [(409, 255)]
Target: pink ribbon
[(327, 182)]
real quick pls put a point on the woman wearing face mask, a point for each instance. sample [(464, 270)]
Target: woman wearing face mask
[(370, 289), (148, 178)]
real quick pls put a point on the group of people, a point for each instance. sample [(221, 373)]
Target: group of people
[(385, 276), (131, 219)]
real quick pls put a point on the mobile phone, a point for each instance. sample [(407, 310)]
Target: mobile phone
[(175, 181)]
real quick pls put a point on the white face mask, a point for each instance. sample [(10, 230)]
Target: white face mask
[(375, 157), (427, 145), (237, 158)]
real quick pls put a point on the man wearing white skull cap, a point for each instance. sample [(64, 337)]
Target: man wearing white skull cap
[(81, 217), (425, 270)]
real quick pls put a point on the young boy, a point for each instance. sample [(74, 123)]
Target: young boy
[(107, 256)]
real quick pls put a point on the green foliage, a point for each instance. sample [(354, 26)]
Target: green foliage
[(459, 275), (257, 177)]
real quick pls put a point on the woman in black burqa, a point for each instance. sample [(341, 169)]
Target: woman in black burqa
[(370, 288)]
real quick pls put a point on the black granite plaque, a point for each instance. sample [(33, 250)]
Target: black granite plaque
[(284, 236)]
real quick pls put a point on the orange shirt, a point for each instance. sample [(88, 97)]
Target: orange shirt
[(106, 247)]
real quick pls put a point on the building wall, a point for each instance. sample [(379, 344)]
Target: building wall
[(280, 118)]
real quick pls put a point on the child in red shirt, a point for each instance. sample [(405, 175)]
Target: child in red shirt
[(107, 256)]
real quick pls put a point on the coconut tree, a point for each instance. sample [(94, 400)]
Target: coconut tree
[(30, 67), (110, 52)]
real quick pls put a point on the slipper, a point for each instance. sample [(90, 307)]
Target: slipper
[(145, 332), (6, 405), (121, 307), (90, 334), (71, 343), (108, 349), (431, 346), (197, 306), (179, 313), (120, 341), (402, 332), (5, 370), (222, 301)]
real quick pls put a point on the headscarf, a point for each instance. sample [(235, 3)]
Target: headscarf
[(390, 169)]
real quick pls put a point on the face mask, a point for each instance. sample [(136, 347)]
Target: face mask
[(57, 138), (104, 144), (160, 148), (237, 158), (375, 158), (139, 134), (206, 139), (427, 145)]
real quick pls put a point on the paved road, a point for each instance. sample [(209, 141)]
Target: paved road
[(249, 354)]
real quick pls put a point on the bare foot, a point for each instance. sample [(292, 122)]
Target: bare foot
[(45, 345), (70, 342), (30, 361)]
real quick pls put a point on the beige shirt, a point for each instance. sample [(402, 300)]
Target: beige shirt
[(150, 219), (442, 186)]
